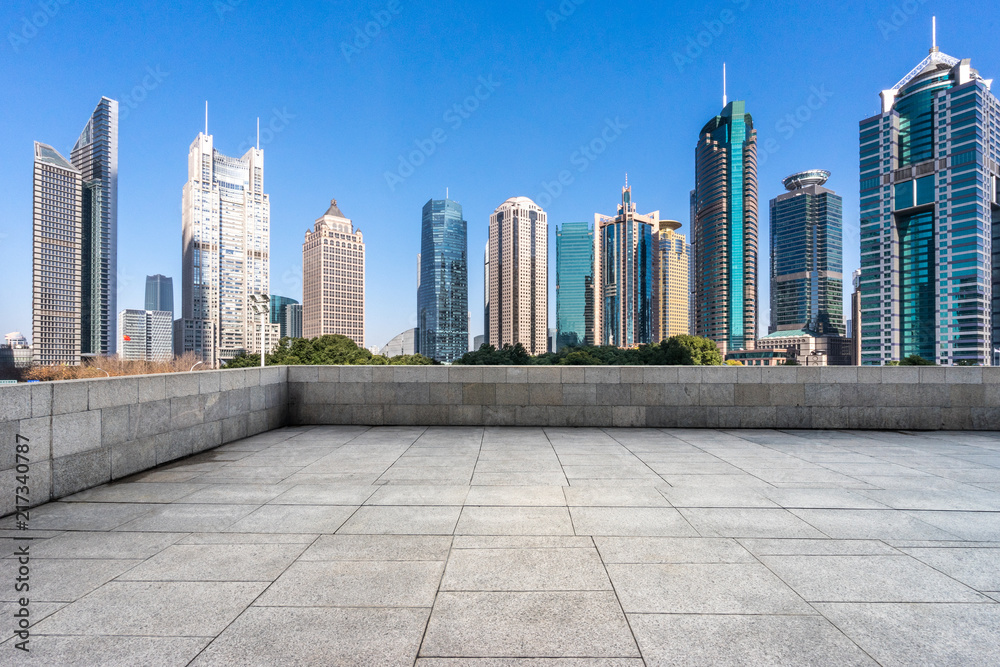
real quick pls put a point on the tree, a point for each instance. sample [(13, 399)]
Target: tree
[(487, 355), (334, 350), (916, 360), (691, 351)]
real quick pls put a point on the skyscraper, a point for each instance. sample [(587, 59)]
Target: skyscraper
[(226, 255), (160, 294), (486, 294), (278, 312), (518, 274), (574, 285), (96, 156), (443, 292), (725, 230), (291, 320), (671, 289), (623, 274), (57, 241), (146, 335), (807, 257), (930, 218), (333, 269)]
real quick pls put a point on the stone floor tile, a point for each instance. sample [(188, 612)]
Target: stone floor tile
[(978, 568), (216, 562), (514, 521), (324, 494), (525, 570), (249, 538), (704, 589), (631, 521), (135, 492), (716, 497), (355, 584), (522, 542), (379, 548), (614, 496), (236, 494), (519, 479), (671, 550), (896, 635), (731, 522), (424, 494), (736, 641), (567, 624), (91, 544), (161, 608), (530, 662), (80, 516), (871, 525), (867, 579), (838, 499), (266, 636), (61, 580), (371, 520), (187, 518), (818, 547), (83, 651), (973, 526), (293, 519), (516, 496)]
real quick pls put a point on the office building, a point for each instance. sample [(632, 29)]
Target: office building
[(518, 276), (809, 349), (160, 293), (443, 286), (291, 321), (478, 342), (930, 218), (574, 285), (856, 315), (725, 230), (57, 242), (807, 257), (486, 293), (623, 275), (15, 352), (226, 219), (406, 343), (279, 314), (96, 156), (146, 335), (671, 284), (333, 268)]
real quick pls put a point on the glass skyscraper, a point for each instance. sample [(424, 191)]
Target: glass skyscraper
[(725, 230), (624, 275), (574, 285), (160, 293), (279, 314), (930, 218), (443, 291), (671, 282), (807, 257)]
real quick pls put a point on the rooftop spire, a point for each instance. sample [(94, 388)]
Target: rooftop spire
[(725, 97), (206, 118), (934, 46)]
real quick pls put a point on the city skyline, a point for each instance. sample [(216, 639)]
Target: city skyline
[(812, 140)]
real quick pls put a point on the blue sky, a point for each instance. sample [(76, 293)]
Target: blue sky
[(342, 109)]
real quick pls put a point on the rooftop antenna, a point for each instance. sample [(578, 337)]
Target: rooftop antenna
[(258, 132), (934, 46), (626, 180), (725, 97), (447, 193), (206, 118)]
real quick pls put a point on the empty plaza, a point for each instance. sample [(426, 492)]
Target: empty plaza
[(494, 546)]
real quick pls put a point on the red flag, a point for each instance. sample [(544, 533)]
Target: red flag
[(128, 338)]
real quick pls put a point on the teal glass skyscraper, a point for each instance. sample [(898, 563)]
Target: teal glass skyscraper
[(807, 257), (443, 290), (574, 285), (623, 275), (724, 238), (930, 218), (279, 315)]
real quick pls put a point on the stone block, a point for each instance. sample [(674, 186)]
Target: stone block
[(545, 394), (830, 417), (41, 399), (402, 415), (680, 394), (821, 395), (465, 415), (15, 402), (614, 394), (39, 433), (838, 374), (80, 471), (753, 395), (758, 417), (186, 411), (470, 374), (129, 458), (933, 375), (573, 375), (412, 393), (75, 433), (184, 384), (628, 416), (598, 416), (716, 394), (251, 377), (272, 397), (313, 393), (545, 375), (8, 435), (355, 374), (860, 395), (900, 374), (657, 374), (312, 373), (209, 382), (479, 394), (450, 393), (991, 375), (963, 375), (632, 375), (564, 417), (239, 401), (384, 374), (689, 374), (749, 375), (257, 401), (216, 406), (516, 374), (647, 394), (493, 374), (499, 415), (697, 417), (232, 379), (870, 375), (719, 374), (269, 376), (956, 419), (779, 375), (112, 392), (67, 397), (435, 374), (787, 416), (807, 375), (154, 387), (173, 445), (662, 417), (966, 396), (579, 394), (985, 419), (257, 421), (234, 428), (208, 436), (512, 394), (727, 417), (864, 418), (532, 415), (117, 425), (602, 374)]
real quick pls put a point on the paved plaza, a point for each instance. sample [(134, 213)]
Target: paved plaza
[(442, 547)]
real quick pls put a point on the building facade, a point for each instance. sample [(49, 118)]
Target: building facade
[(808, 349), (279, 314), (226, 233), (623, 274), (147, 335), (406, 343), (15, 352), (96, 156), (518, 276), (930, 218), (725, 230), (291, 321), (57, 242), (160, 293), (443, 286), (574, 285), (671, 283), (333, 269), (807, 257)]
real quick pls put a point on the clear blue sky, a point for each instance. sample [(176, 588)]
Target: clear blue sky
[(346, 114)]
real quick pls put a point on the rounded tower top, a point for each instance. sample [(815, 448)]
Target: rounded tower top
[(806, 178), (671, 225)]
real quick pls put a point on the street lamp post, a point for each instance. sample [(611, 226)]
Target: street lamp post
[(195, 366), (103, 371), (260, 303)]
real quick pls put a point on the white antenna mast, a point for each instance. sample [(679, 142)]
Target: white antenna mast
[(206, 118), (258, 132), (934, 46), (725, 97)]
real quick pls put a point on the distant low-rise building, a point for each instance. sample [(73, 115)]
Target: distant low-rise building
[(15, 352), (775, 357), (808, 349), (146, 335), (406, 343)]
